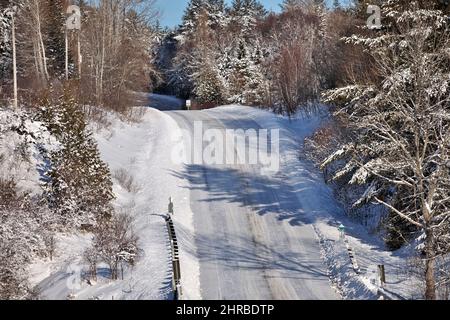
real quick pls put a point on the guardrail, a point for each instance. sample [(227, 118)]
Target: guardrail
[(176, 274)]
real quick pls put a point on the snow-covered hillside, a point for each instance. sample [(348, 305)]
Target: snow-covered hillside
[(138, 156)]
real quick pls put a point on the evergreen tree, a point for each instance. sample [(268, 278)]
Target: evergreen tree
[(213, 9), (216, 13), (197, 54), (288, 5), (5, 44), (78, 186), (55, 42), (191, 14), (208, 85), (244, 15), (245, 80)]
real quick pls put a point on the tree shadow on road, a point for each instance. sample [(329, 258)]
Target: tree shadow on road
[(263, 194), (238, 252)]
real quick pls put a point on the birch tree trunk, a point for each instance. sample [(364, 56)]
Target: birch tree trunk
[(16, 104), (41, 41)]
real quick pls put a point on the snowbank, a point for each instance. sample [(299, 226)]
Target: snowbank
[(140, 152)]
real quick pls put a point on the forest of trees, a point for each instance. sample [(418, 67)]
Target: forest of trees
[(243, 54), (398, 127), (107, 60)]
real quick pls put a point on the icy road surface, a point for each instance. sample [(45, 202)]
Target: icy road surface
[(253, 236)]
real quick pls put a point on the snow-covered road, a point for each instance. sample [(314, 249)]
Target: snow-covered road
[(252, 238), (242, 234)]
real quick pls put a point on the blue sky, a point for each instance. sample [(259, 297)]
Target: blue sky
[(172, 10)]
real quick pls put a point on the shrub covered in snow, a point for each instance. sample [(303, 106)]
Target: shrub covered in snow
[(331, 136), (114, 244), (25, 223), (78, 185), (51, 179)]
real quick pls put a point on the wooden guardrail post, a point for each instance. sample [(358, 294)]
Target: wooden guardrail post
[(382, 274), (170, 208)]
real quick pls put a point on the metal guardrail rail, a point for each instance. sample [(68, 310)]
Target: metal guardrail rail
[(176, 274)]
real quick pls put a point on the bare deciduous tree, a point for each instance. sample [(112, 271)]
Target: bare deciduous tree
[(115, 242)]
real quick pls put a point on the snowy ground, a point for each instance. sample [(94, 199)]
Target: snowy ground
[(140, 149), (242, 235)]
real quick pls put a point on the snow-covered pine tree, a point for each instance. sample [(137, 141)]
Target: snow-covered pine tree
[(244, 14), (78, 186), (246, 82), (216, 14), (213, 9), (208, 86), (5, 43), (401, 125), (54, 42), (178, 77), (197, 53), (190, 17), (288, 5)]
